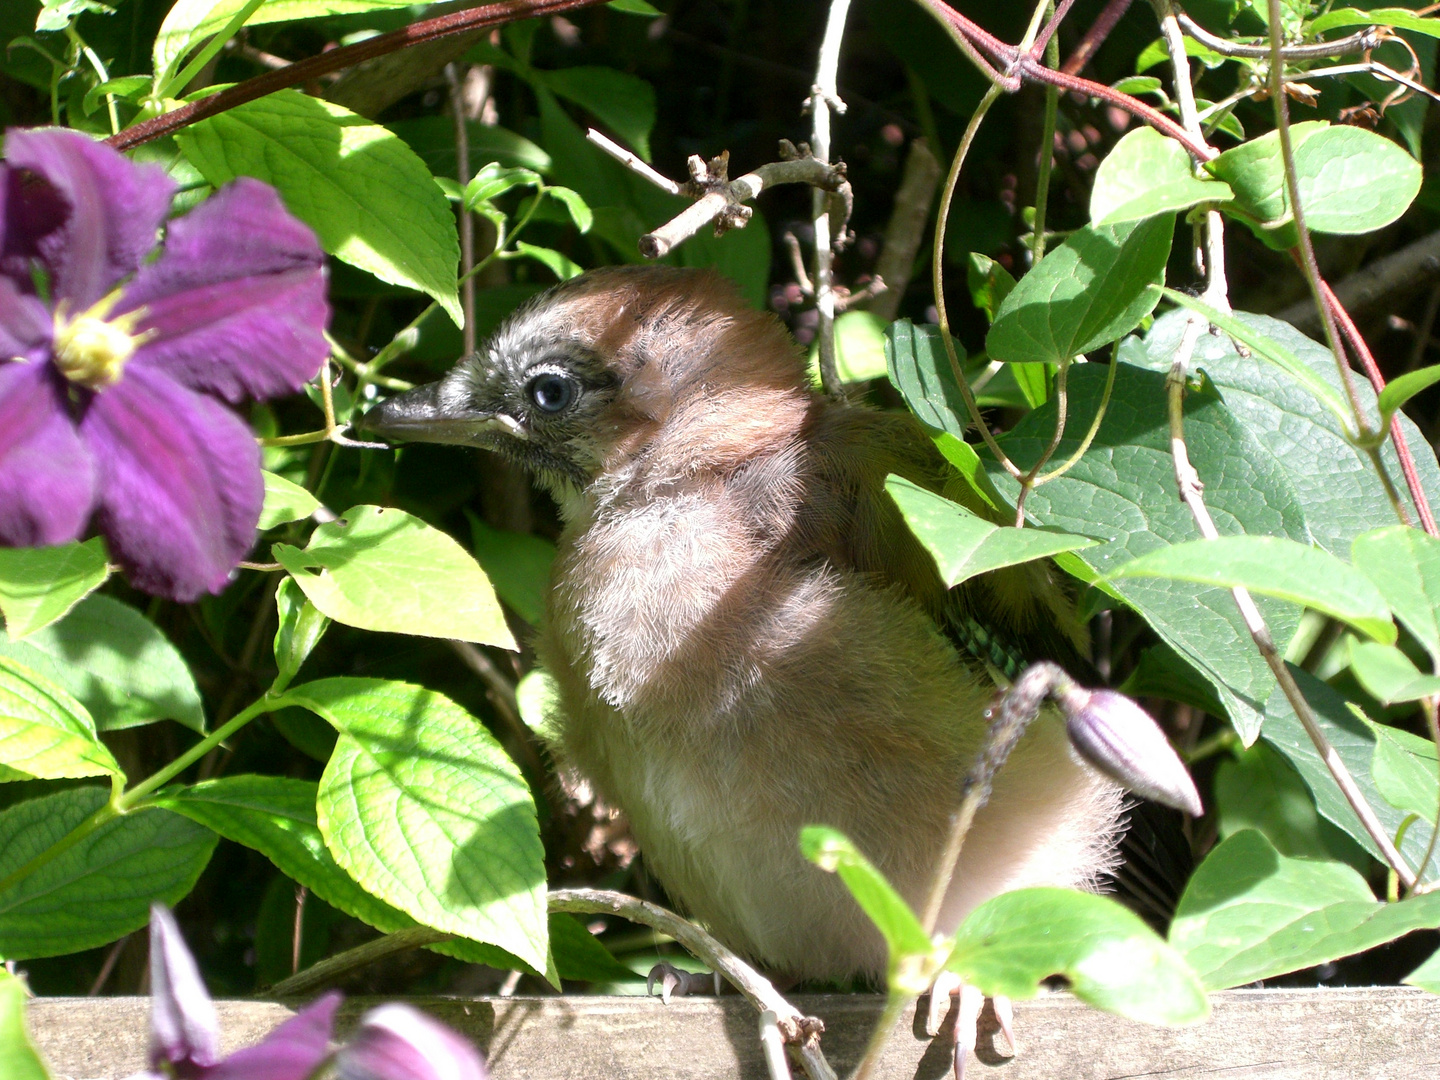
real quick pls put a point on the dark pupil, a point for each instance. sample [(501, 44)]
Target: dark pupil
[(551, 392)]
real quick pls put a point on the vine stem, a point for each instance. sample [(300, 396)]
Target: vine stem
[(823, 96), (458, 22)]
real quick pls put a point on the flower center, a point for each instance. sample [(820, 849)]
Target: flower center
[(92, 350)]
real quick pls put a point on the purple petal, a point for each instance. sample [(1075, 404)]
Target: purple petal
[(47, 478), (114, 209), (183, 1027), (180, 487), (236, 303), (29, 210), (290, 1052), (396, 1042), (25, 325)]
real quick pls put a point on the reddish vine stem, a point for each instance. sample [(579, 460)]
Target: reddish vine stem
[(1017, 67), (1372, 371), (1061, 10), (459, 22), (1095, 36)]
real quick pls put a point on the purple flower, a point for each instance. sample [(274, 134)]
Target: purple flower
[(111, 362), (184, 1033), (396, 1042)]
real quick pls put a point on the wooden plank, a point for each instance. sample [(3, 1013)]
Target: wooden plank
[(1363, 1033)]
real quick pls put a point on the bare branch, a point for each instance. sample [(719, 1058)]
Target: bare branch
[(632, 162)]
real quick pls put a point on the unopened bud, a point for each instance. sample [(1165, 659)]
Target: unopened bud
[(1120, 739), (183, 1026)]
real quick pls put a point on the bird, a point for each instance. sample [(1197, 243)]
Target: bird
[(745, 636)]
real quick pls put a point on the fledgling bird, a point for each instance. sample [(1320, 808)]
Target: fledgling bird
[(746, 636)]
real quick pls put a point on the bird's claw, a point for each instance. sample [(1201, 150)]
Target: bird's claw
[(970, 1002), (678, 981)]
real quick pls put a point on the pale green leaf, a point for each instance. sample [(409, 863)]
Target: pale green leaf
[(1148, 174), (39, 585), (46, 733), (1404, 563), (382, 569), (1388, 675), (1405, 771), (558, 263), (19, 1060), (285, 501)]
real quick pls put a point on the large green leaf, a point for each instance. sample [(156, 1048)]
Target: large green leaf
[(100, 888), (19, 1059), (370, 200), (1404, 563), (919, 368), (276, 816), (1354, 740), (44, 732), (1273, 566), (424, 809), (1146, 174), (1258, 789), (1122, 492), (382, 569), (1010, 944), (965, 544), (39, 585), (1335, 483), (518, 564), (1251, 913), (116, 662), (622, 102), (1091, 290)]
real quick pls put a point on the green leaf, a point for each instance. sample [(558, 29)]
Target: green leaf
[(965, 544), (19, 1060), (622, 102), (276, 816), (1271, 350), (562, 266), (100, 888), (284, 501), (518, 565), (382, 569), (300, 630), (433, 138), (919, 368), (579, 955), (1112, 960), (370, 200), (1122, 492), (1404, 563), (1148, 174), (1405, 771), (39, 585), (1251, 913), (635, 7), (1091, 290), (1400, 18), (1427, 975), (833, 852), (578, 209), (1334, 481), (1388, 675), (424, 809), (494, 179), (860, 348), (190, 22), (44, 732), (989, 282), (117, 663), (1273, 566), (1258, 789), (538, 698), (1255, 172), (1354, 739), (1401, 390)]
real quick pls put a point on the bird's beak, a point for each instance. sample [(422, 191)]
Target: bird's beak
[(423, 415)]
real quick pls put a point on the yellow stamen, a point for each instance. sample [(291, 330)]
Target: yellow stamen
[(92, 350)]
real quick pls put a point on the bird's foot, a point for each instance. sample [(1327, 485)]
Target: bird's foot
[(678, 982), (969, 1003)]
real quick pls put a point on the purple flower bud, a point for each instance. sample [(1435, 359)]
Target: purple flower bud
[(396, 1042), (1120, 739), (183, 1027), (293, 1051)]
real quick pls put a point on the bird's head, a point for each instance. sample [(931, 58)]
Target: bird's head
[(618, 366)]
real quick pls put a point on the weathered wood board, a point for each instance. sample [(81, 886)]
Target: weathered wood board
[(1368, 1033)]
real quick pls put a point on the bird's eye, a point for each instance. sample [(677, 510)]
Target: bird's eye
[(551, 392)]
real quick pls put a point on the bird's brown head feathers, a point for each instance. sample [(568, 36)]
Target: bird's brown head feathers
[(613, 366)]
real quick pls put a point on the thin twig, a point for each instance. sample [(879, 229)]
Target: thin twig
[(798, 1029), (1074, 459), (632, 161), (906, 228), (327, 971), (1360, 42), (1095, 36), (1062, 408), (823, 97), (458, 22)]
